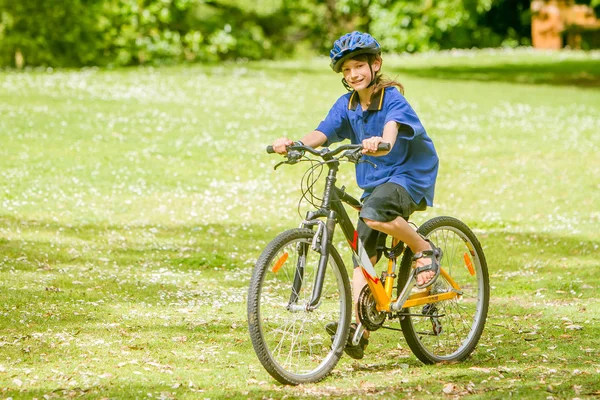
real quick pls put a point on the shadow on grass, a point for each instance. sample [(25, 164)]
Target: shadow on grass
[(184, 247), (585, 74), (513, 257), (579, 73), (529, 257)]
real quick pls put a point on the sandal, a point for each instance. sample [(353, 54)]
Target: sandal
[(435, 255), (357, 352)]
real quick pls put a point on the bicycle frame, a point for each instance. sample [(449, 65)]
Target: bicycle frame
[(333, 210), (291, 340)]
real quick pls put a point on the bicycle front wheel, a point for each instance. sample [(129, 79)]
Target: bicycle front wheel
[(288, 335), (449, 330)]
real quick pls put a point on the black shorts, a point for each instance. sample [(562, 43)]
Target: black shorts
[(386, 203)]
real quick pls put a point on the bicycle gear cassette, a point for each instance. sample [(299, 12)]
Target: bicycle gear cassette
[(369, 316), (432, 311)]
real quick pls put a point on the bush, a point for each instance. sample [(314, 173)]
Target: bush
[(124, 32), (128, 32)]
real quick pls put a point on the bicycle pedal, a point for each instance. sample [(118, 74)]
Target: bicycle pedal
[(360, 329)]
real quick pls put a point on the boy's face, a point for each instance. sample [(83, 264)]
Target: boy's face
[(358, 74)]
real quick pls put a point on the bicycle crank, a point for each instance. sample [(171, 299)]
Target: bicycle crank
[(369, 316)]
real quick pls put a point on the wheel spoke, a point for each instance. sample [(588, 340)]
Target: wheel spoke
[(461, 318), (291, 342)]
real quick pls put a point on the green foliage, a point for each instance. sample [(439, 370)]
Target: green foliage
[(422, 25), (46, 34), (132, 32), (124, 32)]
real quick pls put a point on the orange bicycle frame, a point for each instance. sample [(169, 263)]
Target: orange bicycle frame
[(382, 292)]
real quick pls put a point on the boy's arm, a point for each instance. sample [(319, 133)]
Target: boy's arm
[(312, 139), (390, 133)]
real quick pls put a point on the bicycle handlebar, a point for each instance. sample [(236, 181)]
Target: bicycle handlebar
[(326, 151)]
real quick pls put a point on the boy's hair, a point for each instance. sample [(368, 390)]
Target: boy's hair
[(380, 81)]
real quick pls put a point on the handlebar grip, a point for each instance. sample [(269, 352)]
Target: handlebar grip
[(383, 147), (270, 150)]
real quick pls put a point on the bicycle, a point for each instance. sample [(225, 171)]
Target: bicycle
[(299, 284)]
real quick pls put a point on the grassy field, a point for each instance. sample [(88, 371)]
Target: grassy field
[(134, 203)]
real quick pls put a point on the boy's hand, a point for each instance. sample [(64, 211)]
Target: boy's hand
[(280, 145), (370, 144)]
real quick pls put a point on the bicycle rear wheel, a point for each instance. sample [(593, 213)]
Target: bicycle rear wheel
[(289, 339), (449, 330)]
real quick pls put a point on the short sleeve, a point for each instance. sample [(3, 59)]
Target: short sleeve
[(336, 126), (398, 110)]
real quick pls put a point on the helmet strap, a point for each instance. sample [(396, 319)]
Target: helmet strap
[(373, 76), (348, 87)]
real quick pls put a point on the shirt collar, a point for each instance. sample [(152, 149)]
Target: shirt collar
[(376, 101)]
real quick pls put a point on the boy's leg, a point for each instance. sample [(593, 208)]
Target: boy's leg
[(354, 351), (370, 239), (358, 283), (373, 242), (387, 210), (400, 229)]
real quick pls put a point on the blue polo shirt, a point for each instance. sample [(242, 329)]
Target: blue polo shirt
[(412, 163)]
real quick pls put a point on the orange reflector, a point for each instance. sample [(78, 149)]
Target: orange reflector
[(280, 262), (469, 264)]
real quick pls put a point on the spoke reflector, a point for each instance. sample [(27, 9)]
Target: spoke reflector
[(280, 262), (469, 264)]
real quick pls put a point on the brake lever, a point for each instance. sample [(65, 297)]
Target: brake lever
[(368, 162), (293, 157), (353, 156)]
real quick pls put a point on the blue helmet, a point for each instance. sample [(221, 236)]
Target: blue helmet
[(350, 45)]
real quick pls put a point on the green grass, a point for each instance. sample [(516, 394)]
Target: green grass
[(134, 203)]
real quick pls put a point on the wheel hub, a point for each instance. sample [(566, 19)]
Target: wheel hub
[(432, 311)]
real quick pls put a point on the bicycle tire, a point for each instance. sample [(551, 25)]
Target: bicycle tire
[(450, 329), (294, 347)]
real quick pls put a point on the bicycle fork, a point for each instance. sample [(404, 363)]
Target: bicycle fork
[(320, 243)]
